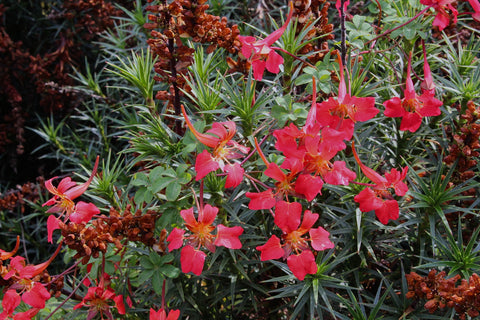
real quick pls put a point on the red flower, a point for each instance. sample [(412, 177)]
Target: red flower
[(296, 249), (11, 300), (191, 257), (99, 299), (341, 114), (412, 108), (224, 149), (62, 201), (476, 7), (162, 315), (442, 19), (24, 287), (378, 196), (260, 51), (66, 191)]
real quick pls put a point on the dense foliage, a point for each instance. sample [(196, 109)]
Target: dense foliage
[(240, 159)]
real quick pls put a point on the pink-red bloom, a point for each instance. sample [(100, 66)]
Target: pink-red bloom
[(101, 299), (192, 258), (162, 315), (62, 202), (219, 137), (476, 7), (445, 12), (342, 113), (378, 196), (260, 52), (24, 286), (293, 246), (412, 108)]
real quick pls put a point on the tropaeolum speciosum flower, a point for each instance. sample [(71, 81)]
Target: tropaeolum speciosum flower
[(342, 113), (293, 246), (219, 137), (162, 315), (21, 279), (63, 204), (378, 196), (412, 108), (261, 53), (192, 258), (308, 152), (98, 300), (445, 12)]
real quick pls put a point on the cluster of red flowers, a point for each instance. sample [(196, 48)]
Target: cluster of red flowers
[(22, 282), (441, 292)]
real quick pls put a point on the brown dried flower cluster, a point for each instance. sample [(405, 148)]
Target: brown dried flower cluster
[(307, 11), (15, 198), (441, 292), (91, 17), (182, 19), (90, 240), (465, 143)]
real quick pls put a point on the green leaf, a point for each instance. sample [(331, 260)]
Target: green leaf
[(173, 190), (170, 271), (157, 282)]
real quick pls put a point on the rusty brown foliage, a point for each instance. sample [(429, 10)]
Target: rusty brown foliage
[(440, 292), (90, 241)]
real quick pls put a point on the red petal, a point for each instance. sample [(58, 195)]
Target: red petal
[(175, 239), (173, 315), (367, 200), (7, 255), (365, 108), (302, 264), (274, 60), (287, 215), (393, 108), (234, 175), (120, 304), (274, 172), (79, 190), (271, 249), (36, 296), (26, 315), (309, 220), (52, 224), (319, 238), (192, 260), (157, 315), (388, 211), (205, 139), (84, 212), (228, 237), (10, 301), (261, 200), (205, 164), (309, 186), (258, 69), (340, 174), (207, 215), (411, 121), (188, 217)]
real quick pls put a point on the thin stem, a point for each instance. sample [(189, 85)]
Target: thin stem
[(399, 26), (343, 30), (364, 184), (163, 294), (67, 298), (294, 56)]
